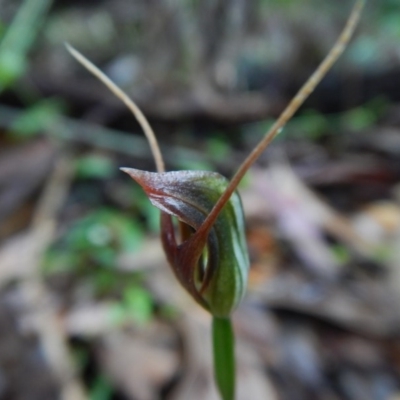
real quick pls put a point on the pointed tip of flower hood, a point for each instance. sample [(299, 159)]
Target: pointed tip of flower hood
[(151, 182), (131, 171), (136, 174)]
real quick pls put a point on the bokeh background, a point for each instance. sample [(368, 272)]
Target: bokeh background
[(88, 306)]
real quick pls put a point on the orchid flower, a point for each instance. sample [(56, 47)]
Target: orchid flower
[(208, 254)]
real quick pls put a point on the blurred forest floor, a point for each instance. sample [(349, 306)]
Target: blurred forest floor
[(89, 308)]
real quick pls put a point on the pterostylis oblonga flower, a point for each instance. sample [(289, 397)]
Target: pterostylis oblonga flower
[(207, 252), (213, 264)]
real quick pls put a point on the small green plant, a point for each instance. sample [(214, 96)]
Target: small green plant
[(208, 254), (90, 248), (18, 39), (39, 117)]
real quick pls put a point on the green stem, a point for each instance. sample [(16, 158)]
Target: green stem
[(224, 357)]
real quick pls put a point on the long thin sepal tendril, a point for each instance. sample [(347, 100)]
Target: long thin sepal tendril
[(118, 92)]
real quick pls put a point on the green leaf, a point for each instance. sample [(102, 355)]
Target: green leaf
[(359, 118), (18, 38), (12, 66), (37, 118), (106, 228), (101, 389), (94, 166), (139, 304), (218, 148)]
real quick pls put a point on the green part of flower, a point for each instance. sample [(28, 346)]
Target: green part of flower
[(213, 267)]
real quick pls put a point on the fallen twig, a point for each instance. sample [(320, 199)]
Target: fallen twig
[(48, 327)]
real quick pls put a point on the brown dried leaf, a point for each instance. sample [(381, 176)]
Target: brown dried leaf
[(139, 365)]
